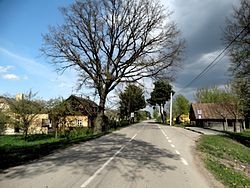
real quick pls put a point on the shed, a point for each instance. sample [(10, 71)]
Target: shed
[(220, 116)]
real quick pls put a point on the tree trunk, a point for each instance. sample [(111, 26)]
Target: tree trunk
[(178, 119), (25, 133), (234, 126), (163, 119), (243, 125), (226, 125), (99, 125), (56, 132)]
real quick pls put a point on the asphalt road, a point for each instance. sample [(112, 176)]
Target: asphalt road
[(145, 155)]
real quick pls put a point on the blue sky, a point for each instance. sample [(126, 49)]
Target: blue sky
[(22, 67)]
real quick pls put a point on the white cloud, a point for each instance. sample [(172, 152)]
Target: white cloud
[(11, 77), (30, 65), (4, 69)]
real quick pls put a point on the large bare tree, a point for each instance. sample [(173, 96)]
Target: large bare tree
[(114, 41)]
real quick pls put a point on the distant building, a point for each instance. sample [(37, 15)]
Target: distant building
[(39, 125), (221, 116), (75, 112)]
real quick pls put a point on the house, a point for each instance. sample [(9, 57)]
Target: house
[(39, 124), (74, 112), (220, 116)]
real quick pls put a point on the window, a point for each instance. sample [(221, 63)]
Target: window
[(16, 130), (45, 122), (79, 122)]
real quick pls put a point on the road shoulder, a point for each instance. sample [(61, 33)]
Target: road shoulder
[(198, 160)]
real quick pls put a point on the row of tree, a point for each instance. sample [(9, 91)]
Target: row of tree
[(132, 99)]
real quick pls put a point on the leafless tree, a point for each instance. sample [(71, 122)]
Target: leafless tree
[(239, 24), (24, 111), (114, 41), (240, 48)]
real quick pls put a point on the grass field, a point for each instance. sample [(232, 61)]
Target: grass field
[(15, 150), (227, 159)]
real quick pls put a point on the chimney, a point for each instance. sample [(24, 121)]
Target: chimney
[(19, 96)]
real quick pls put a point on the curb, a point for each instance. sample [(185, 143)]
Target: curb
[(194, 130)]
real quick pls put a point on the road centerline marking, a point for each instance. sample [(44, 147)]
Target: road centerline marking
[(87, 182), (172, 145), (184, 161), (177, 152)]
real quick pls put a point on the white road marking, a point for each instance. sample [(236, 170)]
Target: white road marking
[(177, 152), (133, 137), (85, 184), (164, 133), (184, 161), (172, 145)]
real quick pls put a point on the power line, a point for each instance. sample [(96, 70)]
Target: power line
[(213, 63)]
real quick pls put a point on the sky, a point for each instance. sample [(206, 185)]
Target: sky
[(22, 67)]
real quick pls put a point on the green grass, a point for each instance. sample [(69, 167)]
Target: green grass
[(220, 154), (243, 137), (15, 151), (179, 125), (18, 140), (224, 147), (227, 175)]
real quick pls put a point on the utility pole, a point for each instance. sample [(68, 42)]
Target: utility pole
[(171, 109)]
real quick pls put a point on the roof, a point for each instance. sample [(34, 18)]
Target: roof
[(82, 105), (213, 111), (85, 101)]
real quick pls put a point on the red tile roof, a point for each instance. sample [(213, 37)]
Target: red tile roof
[(214, 110)]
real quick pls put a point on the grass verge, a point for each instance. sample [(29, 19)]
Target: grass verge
[(242, 137), (20, 151), (227, 159)]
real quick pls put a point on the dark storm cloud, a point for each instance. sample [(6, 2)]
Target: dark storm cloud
[(201, 24)]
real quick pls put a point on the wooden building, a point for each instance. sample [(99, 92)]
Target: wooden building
[(220, 116)]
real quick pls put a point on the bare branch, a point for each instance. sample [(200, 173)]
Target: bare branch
[(112, 41)]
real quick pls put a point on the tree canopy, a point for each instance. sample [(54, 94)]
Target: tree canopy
[(131, 100), (25, 110), (112, 41), (180, 106), (3, 121), (214, 95), (160, 95)]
